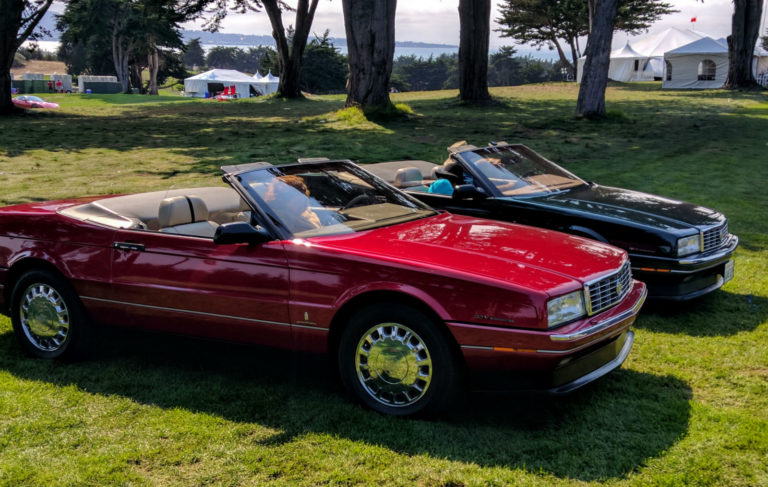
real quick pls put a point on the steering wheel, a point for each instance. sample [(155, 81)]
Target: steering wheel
[(356, 201)]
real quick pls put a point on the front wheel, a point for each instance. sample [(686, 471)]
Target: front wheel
[(48, 319), (395, 360)]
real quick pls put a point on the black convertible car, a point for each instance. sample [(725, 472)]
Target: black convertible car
[(680, 250)]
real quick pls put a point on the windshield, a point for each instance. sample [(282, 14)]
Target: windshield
[(328, 199), (517, 170), (32, 98)]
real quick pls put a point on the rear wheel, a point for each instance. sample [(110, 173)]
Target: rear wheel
[(395, 360), (48, 319)]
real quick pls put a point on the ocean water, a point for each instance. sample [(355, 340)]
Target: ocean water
[(422, 52)]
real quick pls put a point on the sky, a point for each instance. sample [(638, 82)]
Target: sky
[(437, 21)]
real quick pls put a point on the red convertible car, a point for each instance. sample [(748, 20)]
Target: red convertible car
[(326, 258), (31, 101)]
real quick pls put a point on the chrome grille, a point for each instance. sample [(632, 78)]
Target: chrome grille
[(714, 237), (607, 291)]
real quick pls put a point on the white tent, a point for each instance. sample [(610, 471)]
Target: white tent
[(760, 65), (215, 80), (700, 64), (626, 64), (266, 84), (646, 55)]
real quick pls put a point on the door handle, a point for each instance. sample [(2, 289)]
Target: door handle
[(128, 246)]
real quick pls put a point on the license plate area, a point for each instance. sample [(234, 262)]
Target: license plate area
[(728, 274)]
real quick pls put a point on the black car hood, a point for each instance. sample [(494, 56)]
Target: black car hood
[(630, 207)]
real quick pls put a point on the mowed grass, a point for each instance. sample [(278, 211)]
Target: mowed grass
[(689, 407)]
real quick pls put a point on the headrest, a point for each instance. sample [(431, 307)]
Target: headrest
[(407, 175), (180, 210)]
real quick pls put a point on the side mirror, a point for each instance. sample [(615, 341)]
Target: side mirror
[(240, 232), (468, 192)]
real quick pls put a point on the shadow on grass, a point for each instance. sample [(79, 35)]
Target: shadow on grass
[(604, 431), (717, 314)]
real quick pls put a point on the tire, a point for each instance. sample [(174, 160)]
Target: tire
[(396, 360), (48, 319)]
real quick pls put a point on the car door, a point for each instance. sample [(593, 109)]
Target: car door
[(193, 286)]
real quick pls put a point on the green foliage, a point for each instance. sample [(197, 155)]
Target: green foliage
[(249, 60), (194, 54), (548, 23), (688, 408), (323, 70), (34, 52), (411, 73), (419, 74)]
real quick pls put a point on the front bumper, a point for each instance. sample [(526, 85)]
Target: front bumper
[(684, 278), (553, 361)]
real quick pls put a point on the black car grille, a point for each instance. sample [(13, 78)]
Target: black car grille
[(714, 237), (607, 291)]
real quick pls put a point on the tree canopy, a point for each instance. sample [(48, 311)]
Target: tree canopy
[(558, 24), (128, 33)]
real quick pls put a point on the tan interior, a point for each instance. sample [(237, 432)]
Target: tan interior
[(168, 211)]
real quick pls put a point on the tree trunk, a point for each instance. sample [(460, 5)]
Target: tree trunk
[(121, 49), (370, 29), (475, 30), (135, 76), (153, 65), (745, 28), (591, 101), (290, 56), (12, 21)]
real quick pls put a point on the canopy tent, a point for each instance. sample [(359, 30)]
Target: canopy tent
[(760, 65), (267, 84), (646, 55), (700, 64), (626, 64), (216, 80)]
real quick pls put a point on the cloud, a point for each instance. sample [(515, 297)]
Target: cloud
[(437, 21)]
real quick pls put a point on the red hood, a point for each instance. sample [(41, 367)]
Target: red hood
[(538, 259)]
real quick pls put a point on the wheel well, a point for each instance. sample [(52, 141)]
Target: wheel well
[(19, 268), (357, 303)]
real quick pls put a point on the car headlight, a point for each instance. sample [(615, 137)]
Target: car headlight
[(565, 308), (688, 245)]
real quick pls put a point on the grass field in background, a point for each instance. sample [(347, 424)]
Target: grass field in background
[(689, 407)]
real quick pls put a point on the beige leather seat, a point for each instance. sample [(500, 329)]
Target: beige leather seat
[(407, 177), (185, 215)]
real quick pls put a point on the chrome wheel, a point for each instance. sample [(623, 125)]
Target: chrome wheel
[(393, 365), (44, 317)]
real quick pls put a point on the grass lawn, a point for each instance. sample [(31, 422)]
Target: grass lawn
[(689, 407)]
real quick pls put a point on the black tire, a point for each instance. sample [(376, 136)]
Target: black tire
[(396, 360), (47, 316)]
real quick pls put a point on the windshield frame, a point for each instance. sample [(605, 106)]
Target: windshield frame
[(526, 151), (267, 218)]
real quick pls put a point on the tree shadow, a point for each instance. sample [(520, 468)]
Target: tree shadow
[(721, 313), (604, 431)]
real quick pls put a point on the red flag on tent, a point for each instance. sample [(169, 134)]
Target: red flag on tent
[(693, 19)]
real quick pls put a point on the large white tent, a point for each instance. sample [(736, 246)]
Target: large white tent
[(267, 84), (215, 80), (645, 56), (700, 64)]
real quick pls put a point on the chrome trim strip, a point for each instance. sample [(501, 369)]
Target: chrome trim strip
[(602, 325), (475, 347), (310, 327), (201, 313)]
